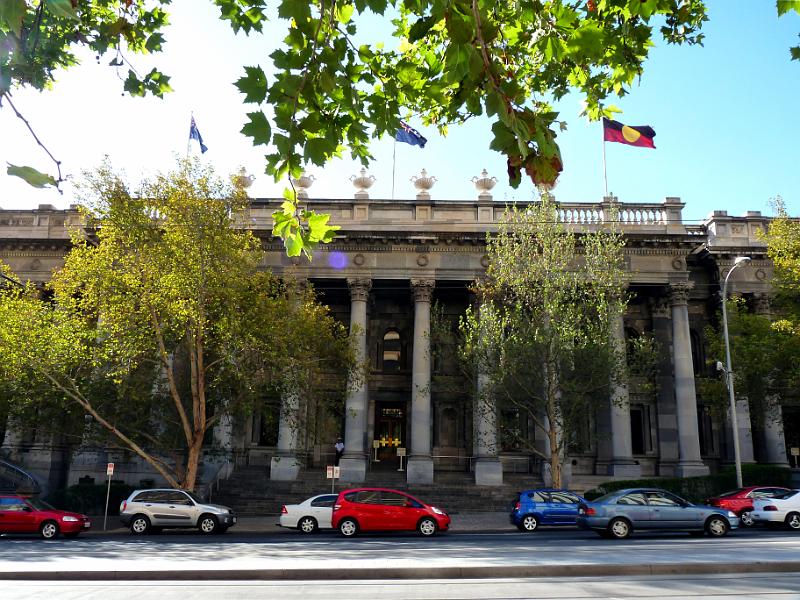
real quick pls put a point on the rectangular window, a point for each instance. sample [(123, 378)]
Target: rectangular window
[(705, 427), (641, 432)]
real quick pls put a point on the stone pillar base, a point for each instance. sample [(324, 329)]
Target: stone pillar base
[(625, 470), (488, 471), (691, 470), (284, 468), (419, 469), (353, 469)]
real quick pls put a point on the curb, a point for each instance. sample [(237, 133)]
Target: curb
[(561, 570)]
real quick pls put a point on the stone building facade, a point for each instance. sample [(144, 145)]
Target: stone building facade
[(395, 259)]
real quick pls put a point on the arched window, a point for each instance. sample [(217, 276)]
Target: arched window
[(392, 351)]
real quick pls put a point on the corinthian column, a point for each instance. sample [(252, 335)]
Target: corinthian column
[(622, 463), (488, 468), (354, 460), (420, 462), (689, 461)]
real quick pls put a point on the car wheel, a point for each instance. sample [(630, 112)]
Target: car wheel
[(140, 525), (717, 527), (746, 518), (72, 534), (427, 527), (307, 525), (793, 521), (348, 527), (530, 523), (619, 528), (49, 530), (207, 524)]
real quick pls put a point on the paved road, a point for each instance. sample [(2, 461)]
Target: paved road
[(326, 556), (753, 587)]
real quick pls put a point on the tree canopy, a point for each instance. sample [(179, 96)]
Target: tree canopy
[(161, 323)]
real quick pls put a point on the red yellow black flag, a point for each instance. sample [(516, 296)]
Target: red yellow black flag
[(642, 135)]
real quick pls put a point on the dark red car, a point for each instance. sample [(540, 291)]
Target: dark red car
[(741, 501), (31, 515), (380, 509)]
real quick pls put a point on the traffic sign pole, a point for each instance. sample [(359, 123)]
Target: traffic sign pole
[(109, 472)]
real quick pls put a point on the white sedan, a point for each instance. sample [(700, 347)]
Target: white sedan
[(784, 508), (310, 515)]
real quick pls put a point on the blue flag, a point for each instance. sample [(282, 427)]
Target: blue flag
[(409, 135), (194, 134)]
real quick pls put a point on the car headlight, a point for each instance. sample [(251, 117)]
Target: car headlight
[(438, 511), (69, 519)]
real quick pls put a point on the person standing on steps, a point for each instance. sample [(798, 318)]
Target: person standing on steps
[(339, 446)]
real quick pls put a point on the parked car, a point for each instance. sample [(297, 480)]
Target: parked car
[(310, 515), (380, 509), (31, 515), (741, 501), (532, 508), (784, 508), (618, 514), (151, 510)]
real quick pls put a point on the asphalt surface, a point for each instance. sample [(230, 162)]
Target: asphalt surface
[(327, 556)]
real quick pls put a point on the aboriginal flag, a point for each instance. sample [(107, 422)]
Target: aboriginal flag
[(614, 131)]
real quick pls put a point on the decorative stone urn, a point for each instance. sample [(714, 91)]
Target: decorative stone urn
[(242, 179), (546, 189), (423, 183), (484, 185), (302, 184), (362, 182)]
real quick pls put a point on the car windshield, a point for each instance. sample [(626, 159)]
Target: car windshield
[(39, 504), (194, 497)]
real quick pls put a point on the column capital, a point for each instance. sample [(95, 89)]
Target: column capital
[(422, 289), (679, 292), (659, 307), (359, 288)]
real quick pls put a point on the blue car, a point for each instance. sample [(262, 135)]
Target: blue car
[(532, 508), (618, 514)]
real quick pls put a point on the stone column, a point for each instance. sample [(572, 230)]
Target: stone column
[(622, 463), (420, 462), (772, 439), (286, 464), (488, 468), (354, 460), (665, 406), (689, 461)]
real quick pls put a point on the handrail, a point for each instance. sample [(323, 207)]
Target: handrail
[(18, 476)]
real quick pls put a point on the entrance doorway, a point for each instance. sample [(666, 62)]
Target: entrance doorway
[(390, 431)]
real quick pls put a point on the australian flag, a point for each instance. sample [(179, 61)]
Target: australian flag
[(409, 135), (194, 134)]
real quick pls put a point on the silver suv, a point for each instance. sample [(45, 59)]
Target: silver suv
[(151, 510)]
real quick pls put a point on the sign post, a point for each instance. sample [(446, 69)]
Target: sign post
[(332, 474), (795, 454), (109, 472), (401, 453), (375, 445)]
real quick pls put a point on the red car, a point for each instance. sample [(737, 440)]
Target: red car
[(380, 509), (31, 515), (741, 501)]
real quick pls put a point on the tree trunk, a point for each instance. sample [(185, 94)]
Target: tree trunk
[(193, 461)]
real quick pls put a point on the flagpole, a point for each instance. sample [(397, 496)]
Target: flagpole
[(605, 174), (394, 162), (189, 141)]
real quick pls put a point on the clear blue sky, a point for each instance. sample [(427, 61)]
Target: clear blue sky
[(725, 117)]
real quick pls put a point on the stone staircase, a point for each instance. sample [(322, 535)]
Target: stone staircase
[(249, 491)]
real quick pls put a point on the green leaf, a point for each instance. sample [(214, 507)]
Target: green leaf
[(62, 8), (294, 244), (344, 12), (33, 177), (154, 42), (421, 28), (11, 13), (253, 85), (785, 6), (795, 52), (258, 128)]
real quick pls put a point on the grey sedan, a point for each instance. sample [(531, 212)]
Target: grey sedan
[(618, 514)]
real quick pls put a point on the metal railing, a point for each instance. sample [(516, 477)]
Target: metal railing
[(19, 478)]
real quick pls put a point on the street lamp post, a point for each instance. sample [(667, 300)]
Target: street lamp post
[(740, 260)]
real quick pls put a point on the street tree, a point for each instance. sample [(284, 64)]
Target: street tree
[(160, 324), (540, 343)]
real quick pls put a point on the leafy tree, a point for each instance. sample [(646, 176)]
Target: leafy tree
[(540, 343), (161, 323)]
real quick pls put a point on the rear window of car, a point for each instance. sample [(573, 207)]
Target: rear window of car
[(537, 496), (562, 498), (368, 497), (351, 497), (325, 500)]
